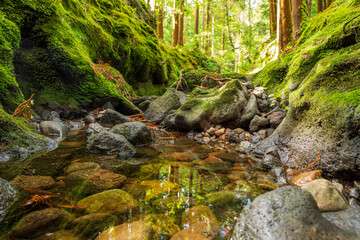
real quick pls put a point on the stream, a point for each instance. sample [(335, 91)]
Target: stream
[(165, 187)]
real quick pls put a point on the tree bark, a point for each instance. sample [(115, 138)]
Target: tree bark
[(297, 18), (203, 25), (285, 22), (208, 22), (329, 2), (279, 34), (272, 17), (160, 22), (175, 24), (181, 23), (320, 6)]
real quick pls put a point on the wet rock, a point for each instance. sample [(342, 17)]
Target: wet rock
[(327, 195), (354, 203), (213, 182), (54, 117), (263, 105), (348, 220), (211, 131), (174, 203), (88, 182), (53, 129), (262, 133), (250, 111), (286, 213), (95, 128), (236, 175), (279, 173), (228, 199), (139, 230), (232, 137), (136, 190), (259, 91), (40, 222), (197, 214), (303, 178), (243, 146), (89, 119), (136, 133), (164, 226), (210, 160), (238, 131), (258, 123), (111, 117), (255, 139), (107, 106), (220, 132), (61, 235), (111, 144), (229, 157), (72, 125), (144, 105), (169, 122), (181, 156), (226, 106), (34, 182), (199, 231), (8, 196), (269, 162), (110, 201), (276, 118), (159, 108), (91, 224), (245, 136), (84, 166), (201, 152)]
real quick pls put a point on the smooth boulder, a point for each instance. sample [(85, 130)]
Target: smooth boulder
[(53, 129), (139, 230), (136, 133), (111, 117)]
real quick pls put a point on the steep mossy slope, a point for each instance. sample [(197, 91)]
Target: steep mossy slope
[(320, 81), (53, 43)]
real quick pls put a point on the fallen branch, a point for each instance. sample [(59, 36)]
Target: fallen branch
[(349, 22), (24, 109), (181, 79)]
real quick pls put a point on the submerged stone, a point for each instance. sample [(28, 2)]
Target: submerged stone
[(139, 230), (136, 133), (34, 182)]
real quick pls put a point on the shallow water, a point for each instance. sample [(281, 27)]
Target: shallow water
[(170, 187)]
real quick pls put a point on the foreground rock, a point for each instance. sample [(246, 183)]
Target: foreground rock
[(112, 144), (112, 117), (54, 129), (287, 213), (136, 133), (138, 230), (159, 108), (349, 219), (111, 201), (34, 182), (223, 106), (41, 222), (327, 195), (8, 196)]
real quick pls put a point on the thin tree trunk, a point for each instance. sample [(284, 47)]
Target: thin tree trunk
[(148, 3), (212, 37), (285, 22), (175, 24), (223, 40), (279, 34), (272, 17), (320, 6), (160, 22), (207, 41), (329, 2), (203, 24), (196, 29), (297, 18), (181, 23)]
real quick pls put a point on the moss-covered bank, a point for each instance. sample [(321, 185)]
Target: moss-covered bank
[(53, 43), (320, 81)]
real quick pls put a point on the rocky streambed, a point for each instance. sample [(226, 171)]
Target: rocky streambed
[(193, 166)]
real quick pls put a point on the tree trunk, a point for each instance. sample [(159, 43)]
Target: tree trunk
[(272, 17), (196, 28), (160, 22), (279, 34), (212, 37), (203, 25), (208, 22), (320, 6), (297, 18), (175, 24), (285, 22), (223, 40), (181, 24), (329, 2)]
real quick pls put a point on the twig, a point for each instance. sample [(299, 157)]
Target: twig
[(308, 166), (287, 160)]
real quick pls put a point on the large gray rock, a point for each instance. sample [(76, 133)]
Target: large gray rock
[(8, 196), (136, 133), (112, 117), (112, 144), (159, 108), (276, 118), (223, 106), (327, 195), (249, 112), (258, 123), (54, 129), (95, 128), (286, 213), (349, 219)]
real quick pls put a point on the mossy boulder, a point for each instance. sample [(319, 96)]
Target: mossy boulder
[(222, 106), (320, 82), (213, 182), (40, 222), (226, 198), (160, 107), (34, 182), (164, 226), (90, 224), (111, 201), (197, 214), (136, 133)]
